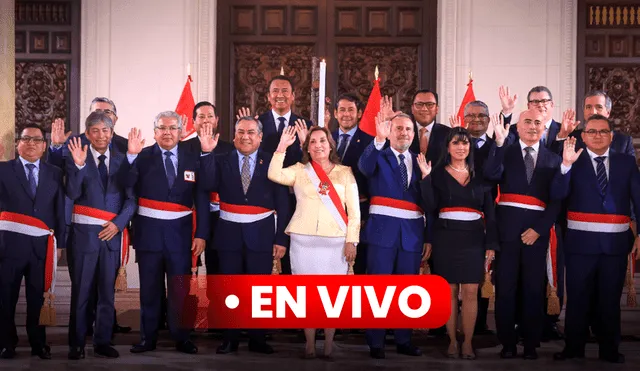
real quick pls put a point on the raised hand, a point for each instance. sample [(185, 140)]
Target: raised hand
[(454, 121), (58, 136), (208, 141), (383, 127), (136, 143), (507, 101), (425, 167), (78, 152), (287, 138), (569, 154), (301, 130), (243, 112), (501, 132), (569, 123)]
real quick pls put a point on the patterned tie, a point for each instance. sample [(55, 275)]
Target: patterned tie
[(170, 169), (102, 169), (343, 145), (245, 174), (404, 172), (528, 163), (281, 125), (32, 179), (601, 174), (424, 140)]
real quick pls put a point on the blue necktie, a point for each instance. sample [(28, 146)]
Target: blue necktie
[(32, 179), (403, 172), (343, 145), (102, 169), (601, 174), (281, 125), (171, 170)]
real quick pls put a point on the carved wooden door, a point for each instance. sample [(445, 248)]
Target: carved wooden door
[(256, 38)]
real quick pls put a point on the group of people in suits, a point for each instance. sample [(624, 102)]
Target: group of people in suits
[(492, 196)]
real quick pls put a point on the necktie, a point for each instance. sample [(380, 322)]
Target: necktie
[(528, 163), (543, 139), (601, 174), (245, 174), (32, 179), (479, 142), (102, 169), (404, 172), (281, 125), (424, 140), (170, 169), (343, 145)]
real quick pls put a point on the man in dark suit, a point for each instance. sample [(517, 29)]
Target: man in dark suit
[(599, 186), (247, 243), (429, 135), (31, 207), (164, 177), (526, 212), (102, 210), (351, 142), (395, 229)]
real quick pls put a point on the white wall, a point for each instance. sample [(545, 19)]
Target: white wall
[(518, 43)]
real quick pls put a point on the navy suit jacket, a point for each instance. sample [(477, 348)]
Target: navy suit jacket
[(85, 188), (437, 139), (222, 175), (505, 165), (58, 156), (480, 156), (148, 178), (581, 188), (621, 143), (47, 206), (383, 173), (270, 137)]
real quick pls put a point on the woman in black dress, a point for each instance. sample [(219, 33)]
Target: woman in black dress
[(464, 236)]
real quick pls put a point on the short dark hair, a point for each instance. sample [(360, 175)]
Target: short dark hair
[(351, 98), (424, 91), (599, 117), (539, 89), (203, 104), (458, 134), (283, 78), (34, 126)]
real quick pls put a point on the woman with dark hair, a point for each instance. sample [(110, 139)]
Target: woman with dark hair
[(464, 231), (325, 226)]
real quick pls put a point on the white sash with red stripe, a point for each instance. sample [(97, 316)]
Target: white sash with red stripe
[(327, 194), (521, 201), (34, 227), (395, 208), (91, 216), (464, 214), (606, 223), (162, 210), (243, 213)]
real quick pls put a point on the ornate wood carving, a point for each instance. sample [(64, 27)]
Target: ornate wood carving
[(255, 65), (622, 83), (43, 12), (618, 16), (399, 66), (41, 93)]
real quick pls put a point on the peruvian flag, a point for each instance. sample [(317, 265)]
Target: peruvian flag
[(185, 107), (368, 120), (468, 97)]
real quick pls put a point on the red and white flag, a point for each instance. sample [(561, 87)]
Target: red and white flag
[(185, 107)]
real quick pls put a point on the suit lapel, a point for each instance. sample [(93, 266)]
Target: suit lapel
[(114, 165), (182, 159), (93, 168), (159, 163), (395, 167), (554, 128), (235, 169), (43, 177), (519, 162), (21, 175), (257, 171)]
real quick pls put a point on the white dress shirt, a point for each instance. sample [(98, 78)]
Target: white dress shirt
[(407, 158), (534, 153), (95, 155), (592, 156), (287, 117)]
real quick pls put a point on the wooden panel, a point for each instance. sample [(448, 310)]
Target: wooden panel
[(274, 20), (304, 21), (399, 66), (21, 42), (348, 21), (378, 22), (636, 46), (613, 16), (622, 84), (243, 20), (255, 65), (619, 46), (61, 42), (409, 21), (39, 42), (595, 46), (43, 12)]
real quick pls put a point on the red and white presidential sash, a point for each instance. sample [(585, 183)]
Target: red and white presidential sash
[(91, 216), (34, 227), (464, 214), (521, 201), (214, 202), (327, 193), (243, 213), (395, 208), (162, 210), (606, 223)]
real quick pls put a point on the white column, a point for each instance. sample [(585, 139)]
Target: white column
[(7, 79)]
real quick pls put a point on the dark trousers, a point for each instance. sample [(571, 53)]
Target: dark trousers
[(483, 309), (519, 262), (153, 266), (603, 276), (245, 261), (92, 291), (12, 270), (384, 260)]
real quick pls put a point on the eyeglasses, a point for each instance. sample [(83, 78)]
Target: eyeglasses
[(36, 140), (423, 105), (170, 128), (480, 117), (105, 111), (593, 132), (539, 101)]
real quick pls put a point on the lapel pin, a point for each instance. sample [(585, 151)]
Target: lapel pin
[(260, 161)]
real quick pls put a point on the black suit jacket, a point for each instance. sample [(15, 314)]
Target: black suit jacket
[(480, 156), (270, 137), (437, 139), (193, 145), (621, 143)]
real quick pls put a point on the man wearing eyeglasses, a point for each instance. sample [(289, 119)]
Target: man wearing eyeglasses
[(429, 136), (31, 209)]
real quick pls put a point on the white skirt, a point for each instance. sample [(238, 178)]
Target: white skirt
[(317, 255)]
